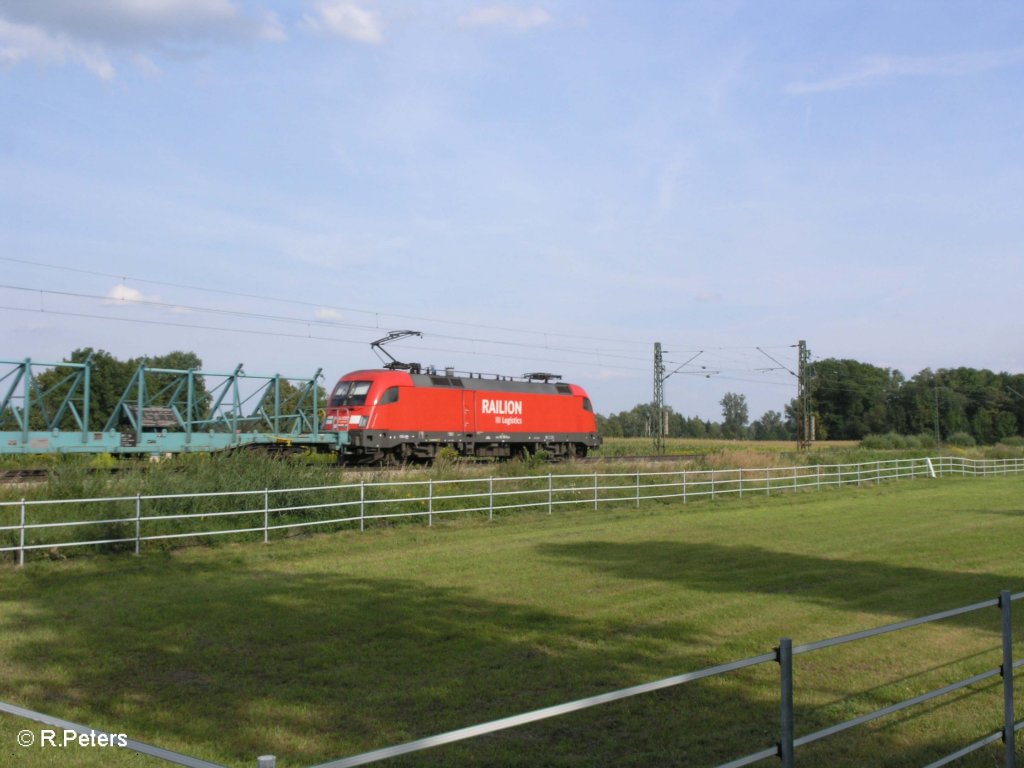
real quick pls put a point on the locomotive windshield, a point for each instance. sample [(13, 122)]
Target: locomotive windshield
[(350, 393)]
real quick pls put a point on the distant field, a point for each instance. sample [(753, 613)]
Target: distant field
[(639, 446), (319, 647)]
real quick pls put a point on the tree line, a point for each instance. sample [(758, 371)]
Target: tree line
[(851, 400)]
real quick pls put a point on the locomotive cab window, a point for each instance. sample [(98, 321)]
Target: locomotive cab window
[(350, 393), (390, 396), (587, 405)]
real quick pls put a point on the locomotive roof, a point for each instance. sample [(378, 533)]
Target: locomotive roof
[(472, 383), (490, 385)]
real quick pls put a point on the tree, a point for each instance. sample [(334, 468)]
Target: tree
[(770, 427), (734, 415), (851, 399), (109, 377)]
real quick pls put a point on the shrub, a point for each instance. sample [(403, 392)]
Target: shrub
[(961, 440), (927, 440), (103, 461), (896, 441), (878, 442), (445, 459)]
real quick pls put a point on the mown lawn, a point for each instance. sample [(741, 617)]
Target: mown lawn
[(318, 647)]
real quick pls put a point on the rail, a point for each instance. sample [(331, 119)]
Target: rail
[(124, 523), (784, 748)]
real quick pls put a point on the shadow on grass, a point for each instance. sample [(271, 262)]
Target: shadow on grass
[(227, 661), (900, 591)]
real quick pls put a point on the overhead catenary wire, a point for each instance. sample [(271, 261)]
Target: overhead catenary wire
[(305, 303), (723, 362), (310, 336), (374, 312), (174, 306), (605, 357)]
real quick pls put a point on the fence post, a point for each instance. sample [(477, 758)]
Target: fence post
[(362, 505), (430, 502), (550, 493), (817, 468), (266, 515), (1007, 673), (741, 482), (785, 658), (138, 521), (878, 472), (684, 486), (595, 491), (712, 485), (490, 498), (767, 482), (21, 545), (637, 504)]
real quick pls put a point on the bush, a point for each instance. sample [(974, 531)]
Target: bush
[(877, 442), (961, 440), (896, 441), (1013, 441), (103, 461), (927, 440), (445, 459)]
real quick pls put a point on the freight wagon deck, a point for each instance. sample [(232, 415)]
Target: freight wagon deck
[(45, 408)]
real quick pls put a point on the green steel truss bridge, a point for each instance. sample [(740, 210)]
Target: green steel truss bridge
[(162, 410)]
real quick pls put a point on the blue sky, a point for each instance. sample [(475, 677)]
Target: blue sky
[(535, 186)]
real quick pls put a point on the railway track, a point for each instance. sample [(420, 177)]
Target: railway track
[(23, 476)]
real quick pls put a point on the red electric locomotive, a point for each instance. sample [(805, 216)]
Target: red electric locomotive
[(402, 413)]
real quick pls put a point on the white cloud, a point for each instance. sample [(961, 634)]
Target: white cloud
[(325, 313), (342, 18), (885, 67), (24, 42), (123, 294), (521, 19), (145, 65), (271, 29), (55, 32)]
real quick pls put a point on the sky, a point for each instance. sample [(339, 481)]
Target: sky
[(549, 186)]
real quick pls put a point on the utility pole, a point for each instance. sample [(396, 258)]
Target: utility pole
[(658, 428), (805, 435), (804, 424), (660, 414)]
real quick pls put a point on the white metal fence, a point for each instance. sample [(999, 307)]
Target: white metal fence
[(123, 523)]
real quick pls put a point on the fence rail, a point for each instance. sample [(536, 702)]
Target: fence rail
[(784, 655), (123, 523), (784, 749)]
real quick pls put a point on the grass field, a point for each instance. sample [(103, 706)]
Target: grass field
[(319, 647), (639, 446)]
